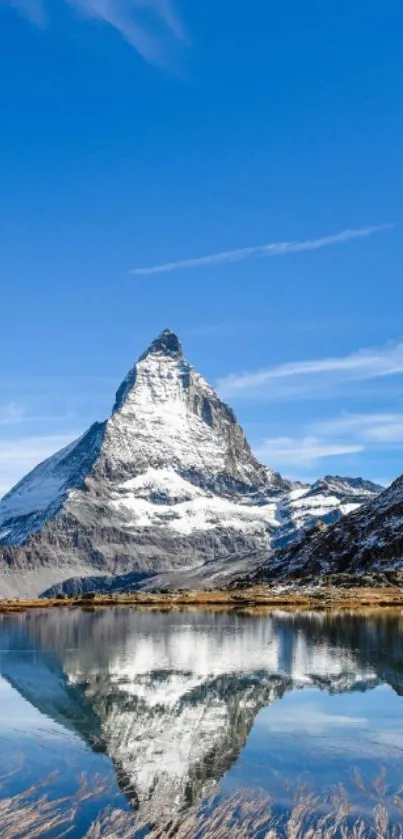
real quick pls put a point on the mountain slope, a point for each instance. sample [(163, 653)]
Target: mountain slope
[(326, 501), (166, 484), (39, 496), (368, 540)]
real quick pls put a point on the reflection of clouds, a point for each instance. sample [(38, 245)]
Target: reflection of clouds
[(173, 697), (310, 719), (393, 738), (352, 726)]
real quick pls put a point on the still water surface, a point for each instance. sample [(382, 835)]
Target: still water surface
[(156, 712)]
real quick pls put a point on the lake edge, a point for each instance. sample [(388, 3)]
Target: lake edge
[(254, 598)]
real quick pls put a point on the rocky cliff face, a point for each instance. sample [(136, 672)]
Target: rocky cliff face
[(325, 501), (168, 483), (369, 540)]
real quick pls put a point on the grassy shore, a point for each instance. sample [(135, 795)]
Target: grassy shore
[(254, 598), (242, 815)]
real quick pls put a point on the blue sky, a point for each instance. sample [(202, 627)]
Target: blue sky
[(137, 134)]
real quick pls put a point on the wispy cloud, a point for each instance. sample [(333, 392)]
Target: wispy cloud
[(371, 428), (282, 452), (147, 25), (313, 720), (271, 249), (17, 457), (334, 437), (33, 10), (302, 378)]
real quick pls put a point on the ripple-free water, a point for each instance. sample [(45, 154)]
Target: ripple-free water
[(154, 712)]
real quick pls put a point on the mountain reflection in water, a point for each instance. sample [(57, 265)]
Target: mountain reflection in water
[(172, 697)]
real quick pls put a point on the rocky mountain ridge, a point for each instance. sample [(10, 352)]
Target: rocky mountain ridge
[(166, 485), (368, 541)]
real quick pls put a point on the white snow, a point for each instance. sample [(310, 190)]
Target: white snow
[(190, 508), (43, 487), (157, 426), (168, 439), (164, 481)]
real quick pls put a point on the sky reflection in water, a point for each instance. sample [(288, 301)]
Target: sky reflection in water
[(166, 707)]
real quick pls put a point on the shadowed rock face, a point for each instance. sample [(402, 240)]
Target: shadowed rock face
[(167, 483), (368, 541), (172, 698)]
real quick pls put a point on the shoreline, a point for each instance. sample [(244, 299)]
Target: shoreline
[(252, 599)]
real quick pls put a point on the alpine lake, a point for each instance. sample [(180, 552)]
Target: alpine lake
[(127, 722)]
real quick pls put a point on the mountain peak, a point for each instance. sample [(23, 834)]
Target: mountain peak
[(167, 343), (167, 484)]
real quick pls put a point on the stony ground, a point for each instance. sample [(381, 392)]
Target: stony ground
[(349, 595)]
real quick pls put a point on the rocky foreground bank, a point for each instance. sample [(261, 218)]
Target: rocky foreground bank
[(342, 593)]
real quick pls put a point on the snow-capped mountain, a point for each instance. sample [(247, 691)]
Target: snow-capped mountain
[(326, 501), (368, 540), (166, 484)]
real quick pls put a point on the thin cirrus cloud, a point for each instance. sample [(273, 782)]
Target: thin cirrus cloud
[(147, 25), (314, 720), (259, 251), (33, 10), (346, 434), (302, 451), (319, 377), (382, 429)]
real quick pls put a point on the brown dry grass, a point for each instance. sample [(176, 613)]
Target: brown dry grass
[(32, 813), (243, 815), (258, 597)]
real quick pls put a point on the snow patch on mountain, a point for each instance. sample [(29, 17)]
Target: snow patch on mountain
[(167, 482), (163, 498), (369, 540), (40, 495)]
